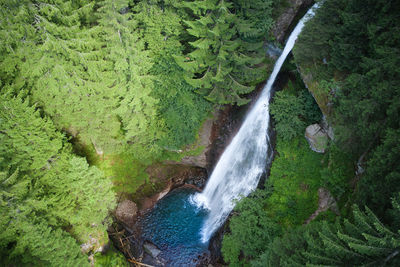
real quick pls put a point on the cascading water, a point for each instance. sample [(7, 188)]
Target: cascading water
[(240, 167)]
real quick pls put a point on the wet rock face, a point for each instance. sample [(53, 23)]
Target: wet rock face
[(126, 212), (205, 140), (282, 24), (166, 177)]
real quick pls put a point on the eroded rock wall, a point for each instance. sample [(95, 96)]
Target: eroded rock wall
[(288, 17)]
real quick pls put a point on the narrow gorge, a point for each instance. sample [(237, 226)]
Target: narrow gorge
[(182, 223)]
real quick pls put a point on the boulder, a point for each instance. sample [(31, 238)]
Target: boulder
[(317, 138), (126, 212), (151, 249)]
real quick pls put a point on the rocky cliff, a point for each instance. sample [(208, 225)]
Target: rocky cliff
[(289, 17)]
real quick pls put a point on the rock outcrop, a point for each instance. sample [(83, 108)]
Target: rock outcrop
[(321, 95), (126, 212), (151, 249), (165, 177), (325, 202), (317, 138), (282, 24), (204, 141)]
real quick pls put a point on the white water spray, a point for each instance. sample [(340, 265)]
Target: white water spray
[(240, 167)]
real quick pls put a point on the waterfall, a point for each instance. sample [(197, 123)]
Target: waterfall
[(240, 167)]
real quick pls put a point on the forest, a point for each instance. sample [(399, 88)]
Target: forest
[(351, 51), (92, 93)]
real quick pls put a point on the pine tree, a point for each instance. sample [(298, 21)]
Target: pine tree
[(68, 75), (17, 40), (363, 241), (131, 64), (220, 62), (180, 110), (45, 190), (28, 141)]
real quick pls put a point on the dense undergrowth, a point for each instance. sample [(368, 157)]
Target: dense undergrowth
[(348, 56), (124, 84), (97, 91)]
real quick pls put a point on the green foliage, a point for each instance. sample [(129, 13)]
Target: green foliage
[(110, 75), (28, 142), (111, 258), (252, 229), (295, 178), (293, 109), (221, 64), (289, 198), (279, 250), (181, 110), (287, 110), (382, 176), (45, 190), (340, 170), (364, 241), (131, 65), (40, 245), (352, 48), (315, 39), (125, 171), (257, 14), (312, 113)]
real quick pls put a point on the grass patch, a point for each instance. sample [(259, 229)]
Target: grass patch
[(126, 172)]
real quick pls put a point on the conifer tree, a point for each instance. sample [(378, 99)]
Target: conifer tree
[(362, 241), (17, 36), (45, 190), (181, 111), (132, 82), (220, 62), (68, 75), (256, 17)]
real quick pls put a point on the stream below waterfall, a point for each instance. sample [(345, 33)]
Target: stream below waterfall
[(182, 223)]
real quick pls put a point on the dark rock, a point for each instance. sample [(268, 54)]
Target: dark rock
[(273, 51), (215, 245), (151, 249), (164, 178), (327, 128), (285, 20), (126, 240), (205, 140)]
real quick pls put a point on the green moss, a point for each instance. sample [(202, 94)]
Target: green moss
[(321, 142), (112, 258), (337, 175), (295, 178), (328, 216), (126, 172)]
